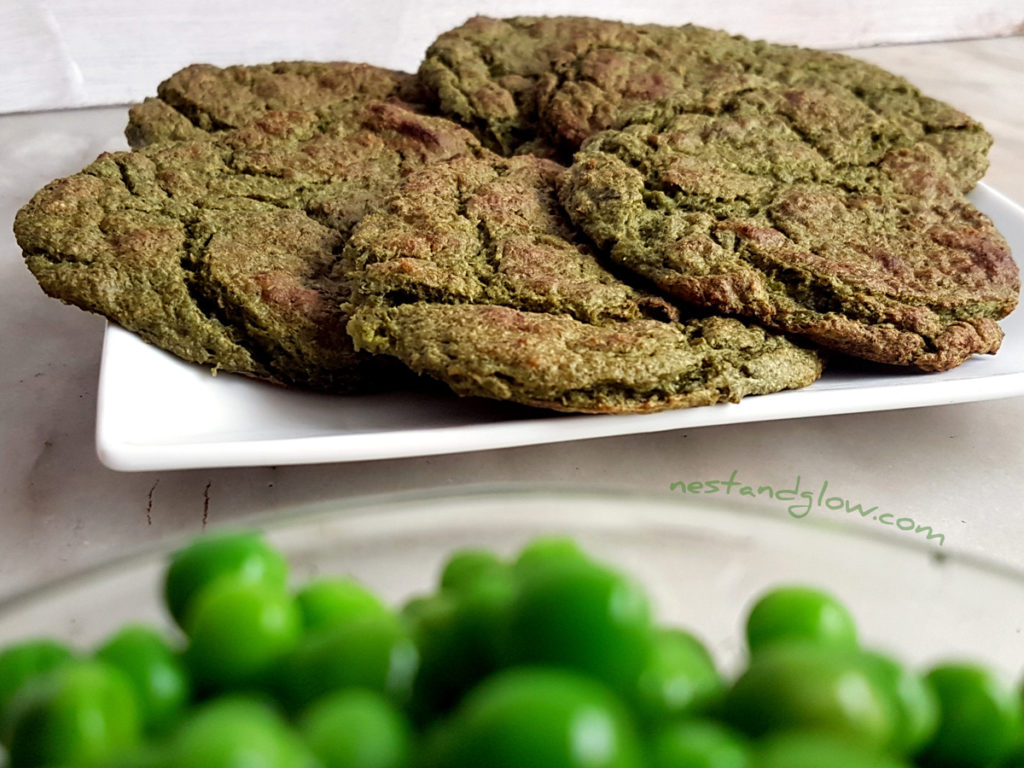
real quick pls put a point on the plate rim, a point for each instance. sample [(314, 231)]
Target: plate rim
[(122, 451)]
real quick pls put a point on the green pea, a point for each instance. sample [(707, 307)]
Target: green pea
[(239, 632), (357, 729), (437, 746), (541, 717), (330, 601), (242, 556), (582, 616), (21, 662), (483, 610), (156, 672), (545, 551), (698, 744), (528, 664), (449, 661), (678, 678), (818, 750), (417, 606), (459, 637), (147, 755), (1015, 755), (81, 712), (466, 567), (237, 732), (915, 702), (800, 614), (375, 653), (809, 687), (979, 717)]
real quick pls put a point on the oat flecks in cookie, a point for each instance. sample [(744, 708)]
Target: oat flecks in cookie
[(223, 250), (526, 81), (472, 275)]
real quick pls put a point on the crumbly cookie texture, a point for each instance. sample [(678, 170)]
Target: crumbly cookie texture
[(306, 223), (472, 274), (524, 83), (202, 99), (223, 250), (741, 213), (809, 191)]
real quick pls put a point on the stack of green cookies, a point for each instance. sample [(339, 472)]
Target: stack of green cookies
[(568, 213)]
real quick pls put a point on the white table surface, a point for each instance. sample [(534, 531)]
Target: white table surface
[(955, 468)]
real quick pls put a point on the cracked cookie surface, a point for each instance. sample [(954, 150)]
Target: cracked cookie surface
[(202, 99), (738, 213), (810, 191), (224, 250), (472, 275), (533, 83)]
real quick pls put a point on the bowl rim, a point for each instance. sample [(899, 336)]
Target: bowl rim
[(376, 505)]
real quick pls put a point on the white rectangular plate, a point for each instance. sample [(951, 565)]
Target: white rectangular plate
[(156, 412)]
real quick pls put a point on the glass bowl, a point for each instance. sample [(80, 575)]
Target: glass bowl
[(702, 563)]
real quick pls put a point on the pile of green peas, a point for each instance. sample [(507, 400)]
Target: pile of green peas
[(546, 660)]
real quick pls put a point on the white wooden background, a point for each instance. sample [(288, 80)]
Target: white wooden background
[(72, 53)]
